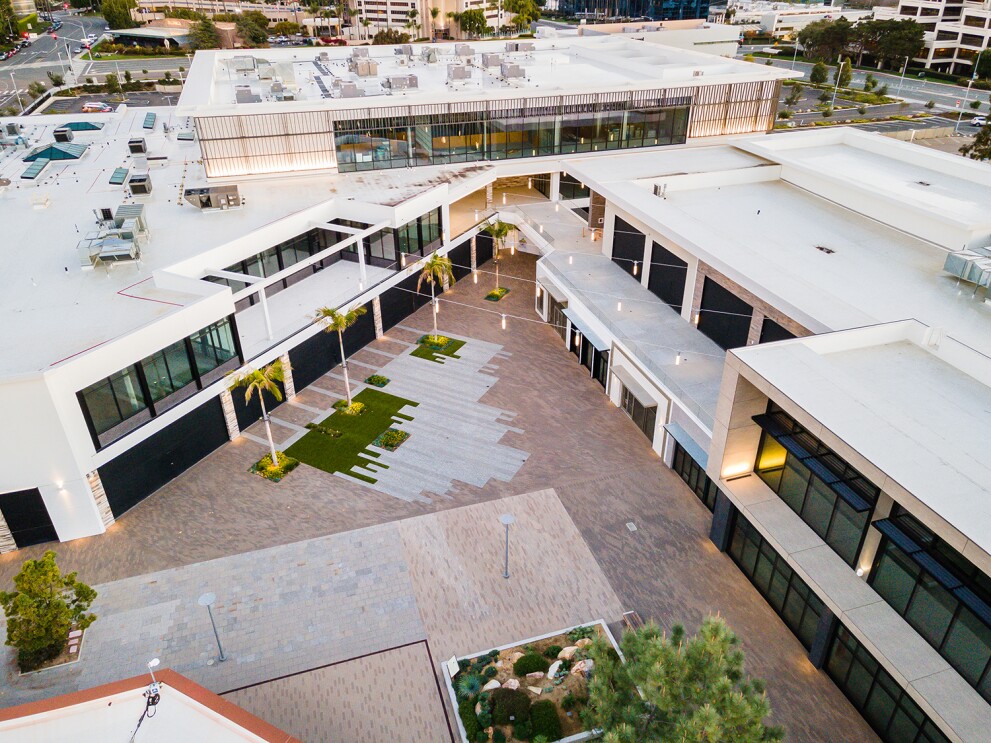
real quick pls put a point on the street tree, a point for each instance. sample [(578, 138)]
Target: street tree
[(795, 95), (41, 610), (825, 39), (112, 82), (286, 28), (204, 35), (980, 148), (260, 381), (898, 40), (337, 321), (498, 231), (36, 89), (677, 688), (472, 22), (56, 78), (117, 13), (390, 36), (843, 74), (819, 74)]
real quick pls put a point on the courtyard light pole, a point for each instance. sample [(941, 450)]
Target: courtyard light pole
[(506, 519), (207, 600)]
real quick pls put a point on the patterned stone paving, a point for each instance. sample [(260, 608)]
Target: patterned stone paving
[(597, 461)]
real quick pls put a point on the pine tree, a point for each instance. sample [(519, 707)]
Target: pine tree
[(204, 35), (819, 74), (980, 148), (674, 688)]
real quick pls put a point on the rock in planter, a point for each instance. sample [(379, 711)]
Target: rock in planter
[(552, 671), (535, 689), (535, 675), (582, 667), (583, 643), (511, 684), (515, 657), (568, 652), (493, 684)]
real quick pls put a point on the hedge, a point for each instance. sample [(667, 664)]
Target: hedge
[(544, 720), (466, 710)]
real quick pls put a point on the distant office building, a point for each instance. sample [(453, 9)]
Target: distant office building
[(659, 10), (957, 33)]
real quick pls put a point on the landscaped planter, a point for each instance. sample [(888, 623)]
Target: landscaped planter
[(391, 440), (377, 380), (263, 467), (70, 654), (514, 688), (496, 294), (431, 347)]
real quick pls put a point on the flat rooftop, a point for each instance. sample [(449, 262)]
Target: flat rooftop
[(782, 233), (897, 395), (52, 309), (250, 81)]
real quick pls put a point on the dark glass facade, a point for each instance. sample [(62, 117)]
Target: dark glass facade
[(645, 416), (830, 496), (787, 593), (659, 10), (115, 406), (943, 596), (892, 713), (694, 476), (459, 137)]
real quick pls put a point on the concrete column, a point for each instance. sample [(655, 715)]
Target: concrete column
[(882, 510), (445, 223), (7, 543), (722, 522), (488, 196), (756, 323), (361, 262), (230, 417), (474, 255), (268, 319), (100, 496), (288, 380), (377, 317), (555, 186), (820, 643)]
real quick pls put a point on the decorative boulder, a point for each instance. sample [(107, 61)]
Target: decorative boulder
[(535, 689), (493, 684), (511, 684), (582, 667), (535, 675), (583, 643), (515, 657), (552, 671), (568, 653)]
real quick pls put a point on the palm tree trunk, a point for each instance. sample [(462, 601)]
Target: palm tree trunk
[(433, 308), (268, 431), (344, 366)]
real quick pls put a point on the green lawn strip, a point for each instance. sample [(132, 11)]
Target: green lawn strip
[(423, 351), (357, 433)]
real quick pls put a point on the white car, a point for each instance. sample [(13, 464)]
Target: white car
[(979, 121)]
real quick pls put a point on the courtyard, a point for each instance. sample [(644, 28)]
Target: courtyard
[(516, 414)]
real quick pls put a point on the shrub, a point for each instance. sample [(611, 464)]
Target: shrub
[(333, 433), (484, 718), (469, 685), (581, 633), (521, 730), (498, 736), (377, 380), (508, 703), (434, 341), (975, 104), (930, 104), (552, 651), (530, 663), (827, 112), (466, 711), (544, 720), (481, 737), (490, 672), (784, 114), (284, 466), (391, 440), (355, 408)]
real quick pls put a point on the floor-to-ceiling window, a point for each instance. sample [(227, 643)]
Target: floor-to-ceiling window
[(118, 404), (829, 495), (939, 592), (784, 590), (872, 690), (694, 476), (644, 415)]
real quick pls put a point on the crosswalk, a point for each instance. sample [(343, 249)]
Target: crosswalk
[(11, 93)]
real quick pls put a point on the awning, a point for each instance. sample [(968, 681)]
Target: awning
[(551, 289), (582, 328), (647, 399), (695, 451)]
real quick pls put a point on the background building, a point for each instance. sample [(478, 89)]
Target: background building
[(957, 31)]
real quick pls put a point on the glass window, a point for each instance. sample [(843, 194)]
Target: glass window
[(113, 400), (214, 349), (931, 609), (968, 646), (168, 371), (894, 577)]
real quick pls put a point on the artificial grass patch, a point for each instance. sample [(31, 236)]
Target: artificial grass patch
[(357, 433), (426, 349), (496, 294)]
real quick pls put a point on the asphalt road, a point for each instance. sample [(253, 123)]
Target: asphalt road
[(44, 55)]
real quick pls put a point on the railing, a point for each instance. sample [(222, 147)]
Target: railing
[(706, 417)]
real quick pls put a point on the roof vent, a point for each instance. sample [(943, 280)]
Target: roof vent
[(458, 72), (491, 60), (508, 70), (923, 183), (214, 197), (824, 249)]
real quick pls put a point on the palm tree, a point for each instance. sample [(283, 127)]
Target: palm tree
[(436, 270), (365, 24), (262, 381), (335, 321), (434, 13), (498, 231)]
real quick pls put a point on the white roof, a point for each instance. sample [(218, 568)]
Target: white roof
[(899, 395), (556, 66), (766, 214)]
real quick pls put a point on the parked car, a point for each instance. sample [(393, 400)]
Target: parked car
[(979, 121), (97, 107)]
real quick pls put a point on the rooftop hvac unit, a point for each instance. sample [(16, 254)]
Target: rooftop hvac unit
[(12, 129), (363, 67), (973, 265), (214, 197), (401, 82), (359, 52), (464, 50), (245, 63), (140, 184), (458, 72), (63, 135), (520, 46), (428, 54), (137, 146), (403, 50), (324, 57), (351, 90), (508, 70), (491, 60)]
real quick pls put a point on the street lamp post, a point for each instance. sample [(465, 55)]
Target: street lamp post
[(966, 100), (902, 78), (16, 94), (836, 87), (794, 57), (207, 600), (506, 519)]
